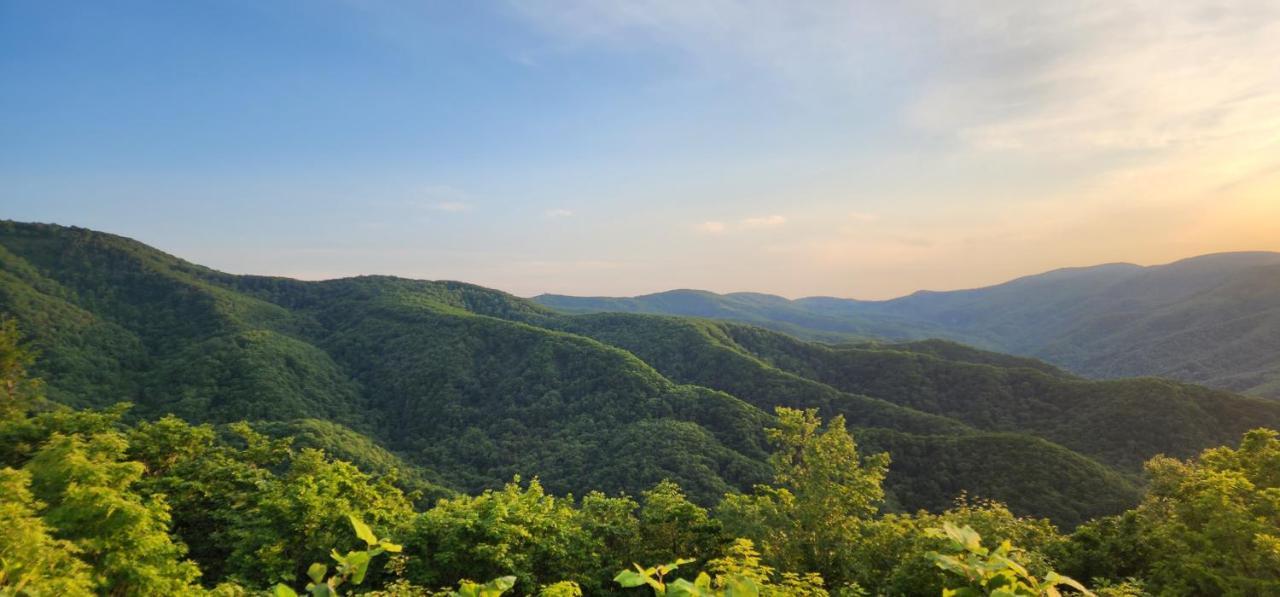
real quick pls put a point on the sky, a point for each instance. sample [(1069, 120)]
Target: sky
[(860, 148)]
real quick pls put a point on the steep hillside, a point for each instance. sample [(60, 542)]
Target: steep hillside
[(473, 398), (457, 387), (1212, 320), (1121, 423), (765, 310)]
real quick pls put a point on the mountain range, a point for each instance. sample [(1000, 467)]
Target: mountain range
[(459, 388), (1211, 320)]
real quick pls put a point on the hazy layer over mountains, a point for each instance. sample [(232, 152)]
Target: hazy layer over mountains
[(1213, 320)]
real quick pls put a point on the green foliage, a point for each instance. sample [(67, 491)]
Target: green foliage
[(1213, 523), (344, 443), (304, 513), (256, 510), (363, 389), (893, 551), (984, 571), (32, 561), (212, 487), (741, 562), (1112, 547), (85, 483), (739, 574), (655, 577), (455, 387), (493, 588), (565, 588), (934, 457), (1031, 475), (17, 390), (351, 566), (671, 525), (824, 496), (521, 531)]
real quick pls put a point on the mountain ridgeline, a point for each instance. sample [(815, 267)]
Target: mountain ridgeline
[(1212, 320), (459, 388)]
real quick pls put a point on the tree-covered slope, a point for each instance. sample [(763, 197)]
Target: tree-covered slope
[(468, 386), (1118, 423), (1212, 320), (92, 504), (415, 366), (773, 312), (1121, 422)]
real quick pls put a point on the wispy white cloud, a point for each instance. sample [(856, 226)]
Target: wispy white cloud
[(558, 213), (712, 227), (719, 227), (1098, 75), (1068, 81), (758, 222), (443, 199)]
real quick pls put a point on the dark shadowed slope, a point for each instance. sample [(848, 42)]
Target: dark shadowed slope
[(1121, 423)]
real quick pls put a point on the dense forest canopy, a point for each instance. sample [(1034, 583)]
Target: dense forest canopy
[(461, 387), (92, 504), (409, 436)]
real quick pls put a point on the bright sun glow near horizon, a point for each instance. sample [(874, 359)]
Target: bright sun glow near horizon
[(859, 149)]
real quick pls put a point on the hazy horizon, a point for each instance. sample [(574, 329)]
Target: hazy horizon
[(688, 288), (849, 149)]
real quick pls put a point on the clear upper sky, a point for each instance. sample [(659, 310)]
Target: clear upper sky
[(861, 149)]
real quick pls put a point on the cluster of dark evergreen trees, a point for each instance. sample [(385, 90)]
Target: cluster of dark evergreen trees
[(90, 504)]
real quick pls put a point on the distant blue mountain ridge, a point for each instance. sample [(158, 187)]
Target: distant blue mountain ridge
[(1212, 320)]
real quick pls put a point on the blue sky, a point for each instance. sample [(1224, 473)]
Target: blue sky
[(859, 149)]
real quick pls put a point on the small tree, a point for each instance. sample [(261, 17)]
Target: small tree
[(824, 493)]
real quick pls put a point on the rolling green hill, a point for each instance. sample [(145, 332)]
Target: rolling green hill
[(1120, 423), (458, 387), (1212, 320)]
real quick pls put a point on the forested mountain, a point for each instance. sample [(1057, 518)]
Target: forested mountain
[(461, 387), (394, 402), (1212, 320)]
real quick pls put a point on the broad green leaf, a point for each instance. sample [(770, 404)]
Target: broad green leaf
[(363, 531), (497, 586), (391, 547), (741, 587), (684, 588), (358, 561), (316, 572), (629, 579)]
